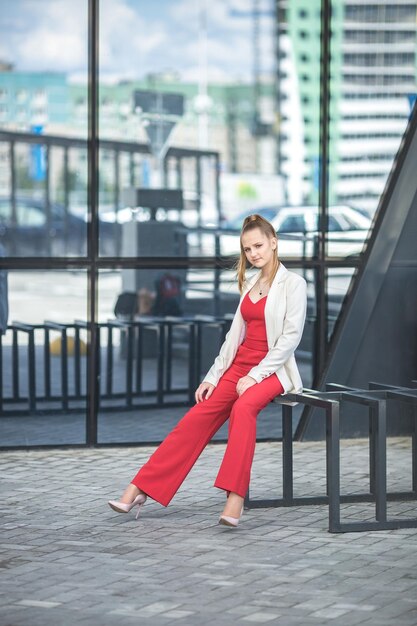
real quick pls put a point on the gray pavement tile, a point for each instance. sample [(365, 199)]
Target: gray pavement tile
[(83, 564), (39, 603), (260, 617)]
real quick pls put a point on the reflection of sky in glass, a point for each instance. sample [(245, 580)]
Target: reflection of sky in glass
[(136, 37)]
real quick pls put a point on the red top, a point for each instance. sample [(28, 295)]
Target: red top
[(255, 345), (253, 314)]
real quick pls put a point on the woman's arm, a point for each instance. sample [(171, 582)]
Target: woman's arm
[(213, 374), (231, 342), (296, 306), (229, 346)]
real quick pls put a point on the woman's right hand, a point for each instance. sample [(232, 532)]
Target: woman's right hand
[(204, 392)]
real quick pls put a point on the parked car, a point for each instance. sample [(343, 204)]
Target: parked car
[(33, 235), (194, 204), (297, 229), (268, 212)]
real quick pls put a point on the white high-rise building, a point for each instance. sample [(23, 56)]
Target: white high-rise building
[(373, 85)]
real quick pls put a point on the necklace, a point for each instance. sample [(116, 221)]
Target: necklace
[(260, 288)]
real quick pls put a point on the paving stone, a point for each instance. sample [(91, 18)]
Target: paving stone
[(178, 614), (261, 618), (83, 564), (39, 603), (330, 613)]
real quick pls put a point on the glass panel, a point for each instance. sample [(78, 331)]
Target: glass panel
[(43, 91), (338, 283), (373, 86), (160, 331), (31, 224), (43, 357), (230, 129)]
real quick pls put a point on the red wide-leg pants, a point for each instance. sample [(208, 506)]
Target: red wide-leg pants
[(164, 472)]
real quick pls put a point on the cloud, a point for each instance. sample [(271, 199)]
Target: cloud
[(45, 36), (127, 40), (136, 37)]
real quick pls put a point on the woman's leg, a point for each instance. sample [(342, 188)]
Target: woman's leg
[(234, 472), (164, 472), (130, 493)]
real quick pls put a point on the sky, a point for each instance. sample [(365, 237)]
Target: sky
[(137, 37)]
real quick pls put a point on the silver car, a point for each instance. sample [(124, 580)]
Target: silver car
[(297, 229)]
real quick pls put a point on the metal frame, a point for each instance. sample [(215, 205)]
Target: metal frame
[(93, 227), (330, 406), (321, 338), (375, 399)]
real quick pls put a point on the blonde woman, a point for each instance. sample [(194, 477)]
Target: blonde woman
[(255, 364)]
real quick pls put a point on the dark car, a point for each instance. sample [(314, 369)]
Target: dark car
[(35, 231)]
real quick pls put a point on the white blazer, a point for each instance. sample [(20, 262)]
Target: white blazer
[(285, 312)]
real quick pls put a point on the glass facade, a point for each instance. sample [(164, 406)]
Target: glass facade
[(373, 85), (43, 148), (134, 138), (43, 355), (154, 352)]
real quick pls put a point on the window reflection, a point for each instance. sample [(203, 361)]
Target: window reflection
[(43, 174), (371, 104), (159, 333), (43, 357), (338, 283), (231, 128)]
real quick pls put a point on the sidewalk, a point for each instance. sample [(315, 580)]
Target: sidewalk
[(67, 559)]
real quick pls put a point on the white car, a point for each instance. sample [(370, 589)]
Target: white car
[(297, 229)]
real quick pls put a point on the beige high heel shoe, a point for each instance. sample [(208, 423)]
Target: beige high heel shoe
[(123, 507), (227, 520)]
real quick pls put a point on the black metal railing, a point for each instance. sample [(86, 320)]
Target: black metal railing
[(149, 362), (43, 366)]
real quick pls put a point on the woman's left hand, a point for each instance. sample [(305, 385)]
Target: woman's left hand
[(244, 383)]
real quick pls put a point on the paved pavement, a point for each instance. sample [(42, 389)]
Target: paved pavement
[(144, 426), (66, 558)]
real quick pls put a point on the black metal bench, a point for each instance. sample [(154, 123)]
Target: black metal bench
[(376, 399)]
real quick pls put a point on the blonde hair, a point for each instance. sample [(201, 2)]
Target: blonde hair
[(250, 223)]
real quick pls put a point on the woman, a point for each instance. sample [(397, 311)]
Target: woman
[(255, 364)]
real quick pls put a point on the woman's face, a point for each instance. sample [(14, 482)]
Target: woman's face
[(259, 249)]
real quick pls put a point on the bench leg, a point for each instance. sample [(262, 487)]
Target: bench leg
[(333, 466), (414, 452), (378, 419), (287, 456)]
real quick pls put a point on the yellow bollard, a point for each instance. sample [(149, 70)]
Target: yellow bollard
[(56, 344)]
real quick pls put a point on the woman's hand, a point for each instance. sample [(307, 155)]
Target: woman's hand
[(244, 383), (204, 392)]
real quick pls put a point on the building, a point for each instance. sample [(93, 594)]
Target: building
[(33, 99), (30, 101), (373, 80)]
